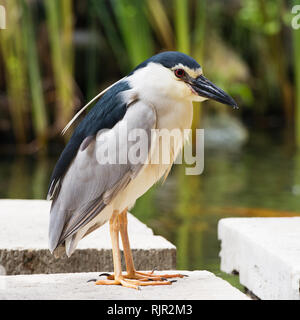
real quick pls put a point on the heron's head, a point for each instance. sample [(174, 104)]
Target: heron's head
[(176, 75)]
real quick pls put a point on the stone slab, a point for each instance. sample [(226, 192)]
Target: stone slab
[(200, 285), (265, 252), (24, 243)]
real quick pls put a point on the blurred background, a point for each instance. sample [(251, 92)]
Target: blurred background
[(55, 55)]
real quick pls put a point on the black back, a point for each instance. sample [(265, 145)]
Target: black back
[(109, 110)]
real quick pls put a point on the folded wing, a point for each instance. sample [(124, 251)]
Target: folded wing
[(90, 183)]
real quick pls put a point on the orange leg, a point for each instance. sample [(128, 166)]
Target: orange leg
[(119, 279), (131, 272), (144, 278)]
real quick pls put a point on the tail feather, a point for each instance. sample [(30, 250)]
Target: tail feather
[(56, 224), (59, 251), (71, 244)]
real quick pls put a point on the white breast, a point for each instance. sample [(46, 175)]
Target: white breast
[(174, 115)]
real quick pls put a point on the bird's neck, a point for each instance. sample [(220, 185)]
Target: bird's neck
[(174, 114)]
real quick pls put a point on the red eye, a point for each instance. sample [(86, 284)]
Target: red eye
[(179, 73)]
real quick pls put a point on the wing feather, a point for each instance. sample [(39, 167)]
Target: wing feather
[(88, 185), (110, 109)]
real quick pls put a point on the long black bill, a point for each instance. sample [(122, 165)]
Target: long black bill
[(207, 89)]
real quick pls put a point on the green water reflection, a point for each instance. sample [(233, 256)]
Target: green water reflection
[(261, 179)]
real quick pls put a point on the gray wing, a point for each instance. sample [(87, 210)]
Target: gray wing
[(90, 184)]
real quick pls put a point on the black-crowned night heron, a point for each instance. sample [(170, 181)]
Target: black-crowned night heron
[(87, 192)]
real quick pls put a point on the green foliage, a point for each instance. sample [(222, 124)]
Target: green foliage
[(59, 23), (15, 70), (242, 46), (24, 80), (296, 36), (244, 92), (182, 25), (134, 28), (35, 82), (261, 15)]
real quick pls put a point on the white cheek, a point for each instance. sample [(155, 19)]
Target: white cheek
[(180, 89), (156, 82)]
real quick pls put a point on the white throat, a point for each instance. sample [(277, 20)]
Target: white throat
[(171, 99)]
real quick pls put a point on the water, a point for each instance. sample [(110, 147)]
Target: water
[(261, 179)]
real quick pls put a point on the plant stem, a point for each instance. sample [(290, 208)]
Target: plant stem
[(296, 38), (182, 26), (35, 82)]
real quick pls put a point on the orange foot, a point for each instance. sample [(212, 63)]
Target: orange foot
[(138, 279), (133, 283), (152, 276)]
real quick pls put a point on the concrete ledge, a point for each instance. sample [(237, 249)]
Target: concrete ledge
[(200, 285), (265, 252), (24, 243)]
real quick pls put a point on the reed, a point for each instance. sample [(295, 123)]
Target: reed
[(134, 28), (15, 72), (39, 118), (198, 35), (111, 32), (198, 53), (182, 25), (91, 57), (159, 20), (296, 43), (60, 39)]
